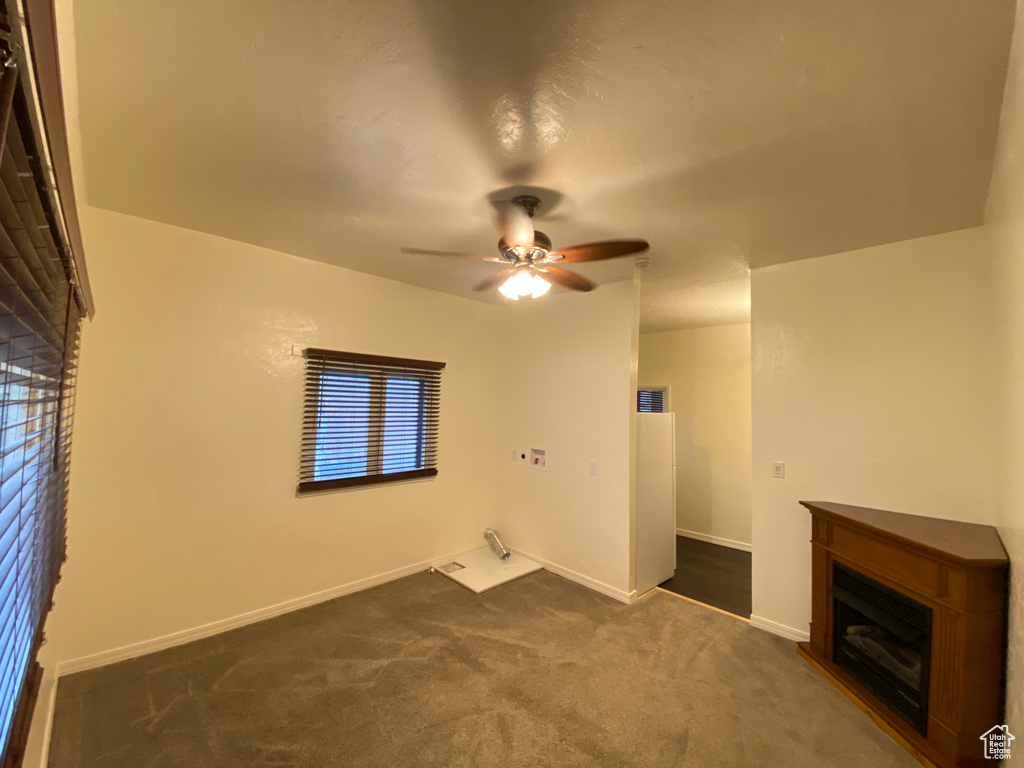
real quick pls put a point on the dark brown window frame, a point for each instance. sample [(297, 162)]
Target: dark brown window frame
[(378, 370)]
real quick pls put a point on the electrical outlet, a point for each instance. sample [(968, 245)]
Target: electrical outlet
[(779, 469), (592, 468), (538, 459)]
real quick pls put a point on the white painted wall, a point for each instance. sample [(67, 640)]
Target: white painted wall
[(707, 371), (1005, 218), (183, 508), (565, 386), (873, 379)]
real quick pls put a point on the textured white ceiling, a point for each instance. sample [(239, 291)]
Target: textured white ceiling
[(728, 134)]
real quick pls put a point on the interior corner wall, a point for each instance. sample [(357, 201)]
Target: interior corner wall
[(873, 378), (707, 371), (1004, 217), (183, 509), (634, 422), (565, 387)]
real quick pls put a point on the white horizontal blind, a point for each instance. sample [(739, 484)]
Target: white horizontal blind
[(650, 401), (39, 327), (368, 419)]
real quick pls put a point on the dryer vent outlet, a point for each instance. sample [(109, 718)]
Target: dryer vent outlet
[(494, 540)]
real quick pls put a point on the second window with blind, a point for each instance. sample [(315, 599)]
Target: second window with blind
[(651, 400), (368, 419)]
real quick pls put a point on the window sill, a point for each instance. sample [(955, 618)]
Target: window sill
[(319, 486)]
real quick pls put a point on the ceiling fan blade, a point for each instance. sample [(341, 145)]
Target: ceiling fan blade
[(475, 257), (425, 252), (494, 280), (608, 249), (515, 224), (567, 279)]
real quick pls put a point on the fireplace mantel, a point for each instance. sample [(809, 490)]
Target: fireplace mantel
[(959, 571)]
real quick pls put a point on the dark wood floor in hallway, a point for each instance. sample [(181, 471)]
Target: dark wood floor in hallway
[(712, 574)]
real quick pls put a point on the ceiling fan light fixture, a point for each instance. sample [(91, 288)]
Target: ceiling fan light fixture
[(540, 286), (525, 283), (530, 264)]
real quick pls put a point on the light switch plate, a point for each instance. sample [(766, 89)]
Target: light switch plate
[(779, 469), (592, 468)]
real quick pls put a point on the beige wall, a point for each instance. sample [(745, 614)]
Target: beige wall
[(183, 508), (902, 367), (707, 371), (209, 323), (891, 377), (873, 379), (1005, 218), (565, 387)]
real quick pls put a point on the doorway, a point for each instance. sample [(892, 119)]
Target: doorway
[(712, 574), (702, 376)]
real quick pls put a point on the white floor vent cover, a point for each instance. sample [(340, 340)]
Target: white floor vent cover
[(481, 569)]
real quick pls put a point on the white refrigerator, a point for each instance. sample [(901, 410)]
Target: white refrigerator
[(655, 499)]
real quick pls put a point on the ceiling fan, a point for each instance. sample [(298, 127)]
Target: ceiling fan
[(531, 263)]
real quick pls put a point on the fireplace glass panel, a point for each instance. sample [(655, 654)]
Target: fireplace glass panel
[(882, 639)]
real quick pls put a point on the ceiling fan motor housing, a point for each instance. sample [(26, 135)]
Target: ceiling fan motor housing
[(530, 269), (541, 248)]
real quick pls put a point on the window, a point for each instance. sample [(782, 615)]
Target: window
[(650, 400), (40, 307), (368, 419)]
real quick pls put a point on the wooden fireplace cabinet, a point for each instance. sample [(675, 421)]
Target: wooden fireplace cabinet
[(958, 570)]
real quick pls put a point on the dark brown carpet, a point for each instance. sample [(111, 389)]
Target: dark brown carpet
[(713, 575), (421, 672)]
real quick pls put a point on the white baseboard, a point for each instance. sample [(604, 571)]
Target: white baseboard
[(51, 705), (84, 663), (37, 748), (782, 630), (598, 586), (132, 650), (713, 539)]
